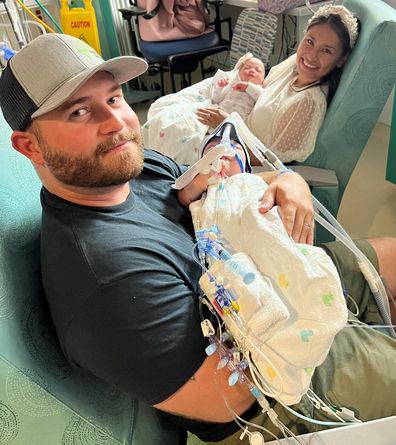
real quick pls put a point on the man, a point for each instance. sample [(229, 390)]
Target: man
[(116, 245)]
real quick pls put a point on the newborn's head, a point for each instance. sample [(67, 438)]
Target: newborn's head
[(253, 71), (237, 163)]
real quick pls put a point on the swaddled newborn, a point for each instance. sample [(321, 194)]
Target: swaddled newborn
[(295, 306)]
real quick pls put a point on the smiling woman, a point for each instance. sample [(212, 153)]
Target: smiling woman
[(288, 110), (289, 113), (291, 109)]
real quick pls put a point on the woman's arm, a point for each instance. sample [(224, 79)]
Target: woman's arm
[(212, 117), (296, 126)]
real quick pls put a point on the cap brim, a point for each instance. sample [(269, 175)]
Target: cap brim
[(123, 69)]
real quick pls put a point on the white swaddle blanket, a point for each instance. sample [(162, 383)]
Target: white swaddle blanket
[(300, 282)]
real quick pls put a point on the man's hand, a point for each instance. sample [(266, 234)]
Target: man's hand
[(291, 193), (211, 116)]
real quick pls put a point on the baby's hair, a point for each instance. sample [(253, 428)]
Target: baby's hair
[(245, 58)]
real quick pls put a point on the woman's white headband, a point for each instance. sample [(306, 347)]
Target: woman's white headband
[(350, 22)]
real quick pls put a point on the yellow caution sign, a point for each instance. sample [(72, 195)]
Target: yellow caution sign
[(81, 23)]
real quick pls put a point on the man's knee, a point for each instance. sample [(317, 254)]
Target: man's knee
[(385, 248)]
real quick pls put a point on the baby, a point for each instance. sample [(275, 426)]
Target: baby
[(237, 93), (295, 305)]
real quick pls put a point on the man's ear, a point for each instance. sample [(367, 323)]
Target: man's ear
[(27, 144)]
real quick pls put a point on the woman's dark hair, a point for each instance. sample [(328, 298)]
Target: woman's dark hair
[(332, 79)]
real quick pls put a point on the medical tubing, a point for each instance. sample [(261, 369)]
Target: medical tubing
[(235, 320), (34, 17), (231, 264), (254, 371), (251, 365), (240, 162), (225, 137), (359, 324), (368, 270), (317, 422), (316, 400), (333, 226), (326, 213), (19, 37), (246, 422), (48, 14), (356, 314), (35, 23), (259, 397)]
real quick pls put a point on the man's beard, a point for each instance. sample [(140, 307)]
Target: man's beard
[(92, 170)]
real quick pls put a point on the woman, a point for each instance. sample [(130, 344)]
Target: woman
[(289, 112), (291, 109)]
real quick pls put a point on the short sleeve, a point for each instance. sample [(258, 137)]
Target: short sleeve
[(296, 125), (140, 333)]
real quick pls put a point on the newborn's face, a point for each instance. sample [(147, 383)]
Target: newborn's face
[(252, 71), (230, 162)]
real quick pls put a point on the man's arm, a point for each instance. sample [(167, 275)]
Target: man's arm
[(192, 191), (204, 396)]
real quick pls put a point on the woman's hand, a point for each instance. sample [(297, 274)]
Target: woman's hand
[(211, 116), (291, 193)]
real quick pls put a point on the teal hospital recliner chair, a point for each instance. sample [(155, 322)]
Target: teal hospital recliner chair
[(43, 401), (366, 83)]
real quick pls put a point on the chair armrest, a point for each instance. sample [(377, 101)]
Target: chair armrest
[(176, 61), (315, 177), (134, 11)]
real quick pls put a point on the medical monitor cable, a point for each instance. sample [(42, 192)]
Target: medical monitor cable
[(255, 438), (48, 14), (14, 22), (257, 387), (35, 17)]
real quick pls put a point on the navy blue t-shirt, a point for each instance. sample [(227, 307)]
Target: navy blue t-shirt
[(122, 285)]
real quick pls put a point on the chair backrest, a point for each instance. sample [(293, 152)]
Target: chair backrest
[(254, 32), (42, 399), (172, 20), (366, 83)]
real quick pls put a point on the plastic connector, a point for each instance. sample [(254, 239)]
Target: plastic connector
[(347, 415)]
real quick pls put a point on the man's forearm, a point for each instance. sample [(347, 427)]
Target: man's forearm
[(192, 191)]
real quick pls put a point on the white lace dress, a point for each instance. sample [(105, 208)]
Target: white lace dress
[(287, 118)]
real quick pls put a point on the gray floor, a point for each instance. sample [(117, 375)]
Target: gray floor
[(369, 204), (368, 207)]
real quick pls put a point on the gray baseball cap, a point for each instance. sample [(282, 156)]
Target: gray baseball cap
[(49, 70)]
